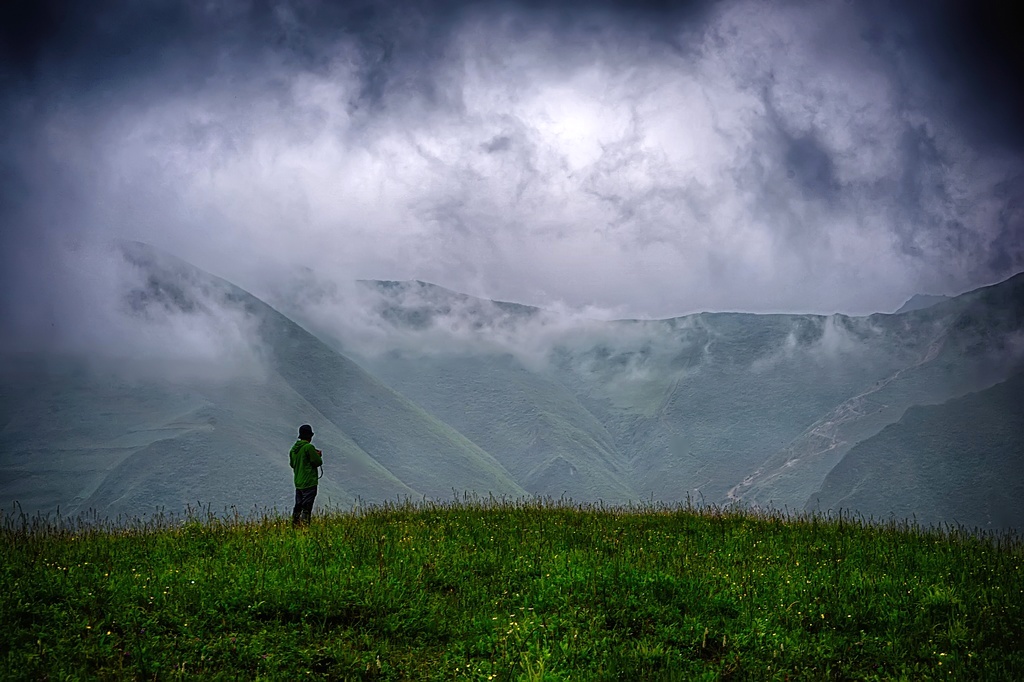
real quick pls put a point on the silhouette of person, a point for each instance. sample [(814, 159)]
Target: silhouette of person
[(305, 459)]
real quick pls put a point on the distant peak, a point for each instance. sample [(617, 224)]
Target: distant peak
[(921, 301)]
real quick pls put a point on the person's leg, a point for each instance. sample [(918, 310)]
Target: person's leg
[(309, 495), (297, 509)]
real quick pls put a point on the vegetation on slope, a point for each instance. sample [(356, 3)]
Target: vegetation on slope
[(530, 423), (961, 459), (505, 590)]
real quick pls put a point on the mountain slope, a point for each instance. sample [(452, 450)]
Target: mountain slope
[(705, 399), (928, 356), (83, 433), (725, 406), (452, 357), (961, 461), (920, 302), (537, 429)]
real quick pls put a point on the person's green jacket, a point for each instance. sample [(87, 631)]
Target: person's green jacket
[(305, 460)]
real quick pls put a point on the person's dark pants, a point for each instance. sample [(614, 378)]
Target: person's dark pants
[(303, 505)]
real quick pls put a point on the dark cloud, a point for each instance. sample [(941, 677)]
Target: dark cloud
[(1007, 250), (974, 51), (810, 167), (649, 158), (26, 27)]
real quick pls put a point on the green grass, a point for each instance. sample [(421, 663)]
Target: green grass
[(509, 590)]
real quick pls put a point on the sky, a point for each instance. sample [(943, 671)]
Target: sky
[(644, 160)]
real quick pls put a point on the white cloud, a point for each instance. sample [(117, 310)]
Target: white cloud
[(104, 307)]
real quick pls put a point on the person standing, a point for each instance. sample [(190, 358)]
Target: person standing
[(305, 459)]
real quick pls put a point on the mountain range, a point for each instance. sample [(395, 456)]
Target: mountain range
[(417, 391)]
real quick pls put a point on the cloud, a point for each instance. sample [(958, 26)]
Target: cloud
[(136, 317), (371, 319), (653, 161)]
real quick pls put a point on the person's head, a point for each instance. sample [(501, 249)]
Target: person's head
[(306, 432)]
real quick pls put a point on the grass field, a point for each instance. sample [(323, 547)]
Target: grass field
[(509, 590)]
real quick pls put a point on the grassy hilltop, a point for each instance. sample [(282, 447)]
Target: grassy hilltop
[(505, 590)]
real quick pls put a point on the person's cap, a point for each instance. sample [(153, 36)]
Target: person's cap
[(306, 431)]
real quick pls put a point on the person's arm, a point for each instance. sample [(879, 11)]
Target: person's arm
[(315, 456)]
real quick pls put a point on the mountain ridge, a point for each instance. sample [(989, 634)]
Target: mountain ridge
[(920, 302)]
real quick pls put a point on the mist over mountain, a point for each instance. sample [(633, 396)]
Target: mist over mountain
[(416, 390)]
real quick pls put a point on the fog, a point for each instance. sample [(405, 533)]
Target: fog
[(132, 319)]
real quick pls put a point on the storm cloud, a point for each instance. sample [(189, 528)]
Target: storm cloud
[(648, 161)]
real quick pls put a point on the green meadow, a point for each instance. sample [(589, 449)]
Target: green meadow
[(494, 589)]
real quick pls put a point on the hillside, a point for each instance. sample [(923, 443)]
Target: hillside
[(958, 462), (83, 433), (493, 590), (724, 407), (536, 427)]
